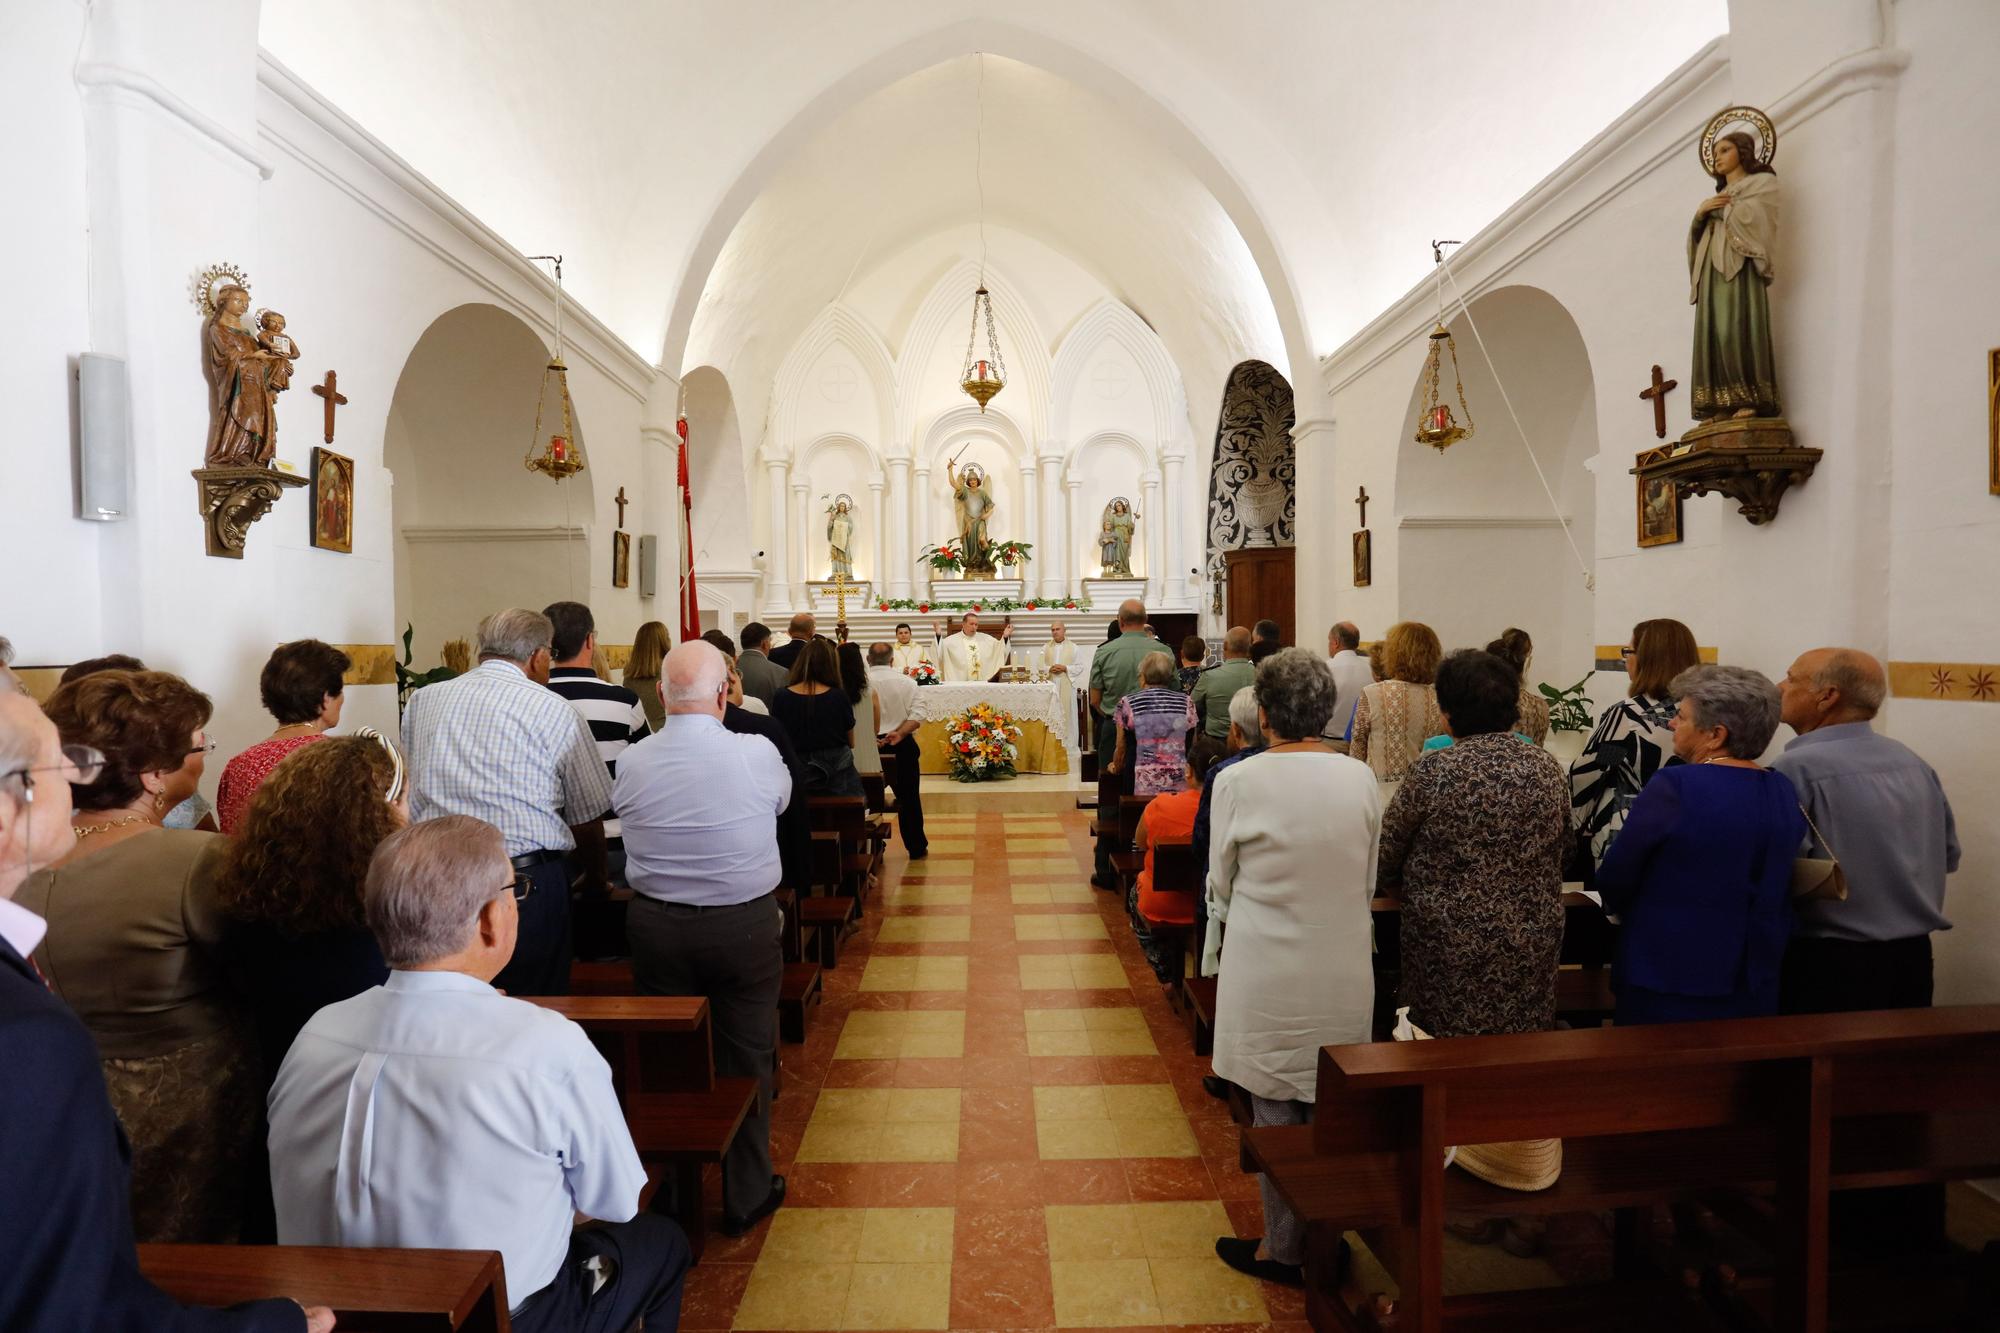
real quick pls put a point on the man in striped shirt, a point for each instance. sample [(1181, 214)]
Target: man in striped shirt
[(612, 712)]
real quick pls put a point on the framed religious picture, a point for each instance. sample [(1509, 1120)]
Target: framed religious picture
[(332, 501), (1993, 421), (621, 559), (1659, 504), (1364, 558)]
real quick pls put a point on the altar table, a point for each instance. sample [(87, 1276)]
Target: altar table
[(1042, 712)]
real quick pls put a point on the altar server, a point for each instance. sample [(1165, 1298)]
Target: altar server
[(906, 652)]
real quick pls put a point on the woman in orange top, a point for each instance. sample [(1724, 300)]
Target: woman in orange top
[(1169, 818)]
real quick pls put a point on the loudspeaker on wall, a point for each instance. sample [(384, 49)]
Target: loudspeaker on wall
[(104, 462), (649, 565)]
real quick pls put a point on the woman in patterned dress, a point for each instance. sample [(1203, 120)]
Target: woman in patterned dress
[(1394, 717), (1473, 844), (1158, 718), (1634, 737)]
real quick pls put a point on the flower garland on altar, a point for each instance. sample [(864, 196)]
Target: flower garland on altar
[(925, 606), (980, 742)]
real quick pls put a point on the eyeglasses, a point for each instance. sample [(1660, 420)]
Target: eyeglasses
[(206, 747), (521, 885), (81, 765), (1628, 652)]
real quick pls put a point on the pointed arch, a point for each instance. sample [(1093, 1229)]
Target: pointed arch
[(836, 325), (946, 311), (1112, 321)]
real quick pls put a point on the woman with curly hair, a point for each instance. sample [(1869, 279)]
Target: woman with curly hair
[(302, 686), (1396, 715), (133, 946), (291, 885)]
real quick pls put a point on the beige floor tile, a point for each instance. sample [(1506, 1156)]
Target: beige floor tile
[(941, 973), (904, 974), (951, 846), (903, 1235), (934, 1020), (1072, 866), (850, 1142), (934, 1046), (1018, 845), (1084, 1102), (1104, 1293), (851, 1106), (1155, 1138), (1181, 1230), (1142, 1101), (795, 1296), (1097, 972), (1206, 1291), (925, 930), (912, 1106), (1076, 1140), (1061, 1043), (1059, 1020), (1114, 1020), (902, 1034), (1122, 1043), (814, 1235), (1052, 894), (884, 1296), (1058, 926), (924, 893), (1093, 1231), (1039, 971)]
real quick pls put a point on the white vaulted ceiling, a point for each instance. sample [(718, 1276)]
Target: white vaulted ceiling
[(1334, 137)]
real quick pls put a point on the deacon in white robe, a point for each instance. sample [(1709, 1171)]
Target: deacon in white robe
[(1062, 659), (969, 655), (905, 653)]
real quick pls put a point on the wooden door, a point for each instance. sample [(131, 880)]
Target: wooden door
[(1260, 582)]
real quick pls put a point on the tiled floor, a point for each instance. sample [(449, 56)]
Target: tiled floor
[(997, 1122)]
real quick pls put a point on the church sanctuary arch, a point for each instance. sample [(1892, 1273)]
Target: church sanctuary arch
[(1477, 546), (1030, 48), (717, 475), (475, 531)]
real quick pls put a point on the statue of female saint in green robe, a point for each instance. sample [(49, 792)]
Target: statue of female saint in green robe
[(1114, 538), (1730, 271)]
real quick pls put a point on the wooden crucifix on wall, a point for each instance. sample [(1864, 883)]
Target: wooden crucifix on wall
[(1364, 546), (620, 500), (330, 391), (1658, 394)]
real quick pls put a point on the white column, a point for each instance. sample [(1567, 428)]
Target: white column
[(879, 540), (898, 555), (806, 559), (1156, 519), (1174, 518), (1058, 577), (1073, 502), (777, 565), (1030, 526), (920, 532)]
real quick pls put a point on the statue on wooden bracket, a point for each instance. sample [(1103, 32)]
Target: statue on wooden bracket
[(246, 371)]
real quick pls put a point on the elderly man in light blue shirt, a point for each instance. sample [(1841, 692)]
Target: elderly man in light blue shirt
[(1881, 812), (433, 1112), (498, 745), (699, 807)]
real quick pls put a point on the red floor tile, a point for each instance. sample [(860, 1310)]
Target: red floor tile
[(1000, 1293), (1165, 1178), (1084, 1182)]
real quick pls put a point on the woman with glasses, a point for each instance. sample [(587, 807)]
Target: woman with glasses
[(133, 946), (1634, 738)]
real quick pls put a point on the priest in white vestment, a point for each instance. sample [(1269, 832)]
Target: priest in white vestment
[(969, 655), (905, 653), (1062, 659)]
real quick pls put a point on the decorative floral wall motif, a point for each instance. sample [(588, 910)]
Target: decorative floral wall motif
[(1251, 488)]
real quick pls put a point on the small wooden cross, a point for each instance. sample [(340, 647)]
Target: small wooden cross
[(620, 500), (1362, 500), (1658, 393), (334, 398)]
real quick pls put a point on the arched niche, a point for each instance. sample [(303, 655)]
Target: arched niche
[(476, 531), (1112, 373), (1479, 546), (991, 439), (1252, 480), (833, 465), (726, 527), (1104, 466), (838, 377), (933, 351)]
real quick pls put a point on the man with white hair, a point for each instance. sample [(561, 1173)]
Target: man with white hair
[(9, 682), (698, 804), (433, 1112), (496, 745)]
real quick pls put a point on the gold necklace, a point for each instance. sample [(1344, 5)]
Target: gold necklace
[(83, 831)]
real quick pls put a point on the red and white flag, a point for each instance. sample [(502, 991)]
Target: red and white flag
[(690, 610)]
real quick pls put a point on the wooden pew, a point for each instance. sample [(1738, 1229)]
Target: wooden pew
[(798, 992), (379, 1290), (1583, 986), (1175, 871), (681, 1113), (1794, 1106)]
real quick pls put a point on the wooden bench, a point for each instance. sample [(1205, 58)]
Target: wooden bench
[(1175, 871), (1793, 1106), (1583, 986), (378, 1290), (681, 1113)]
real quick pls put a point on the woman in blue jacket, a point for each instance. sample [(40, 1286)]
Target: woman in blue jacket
[(1700, 876)]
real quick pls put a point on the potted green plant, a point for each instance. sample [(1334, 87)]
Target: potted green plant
[(408, 682), (1570, 718)]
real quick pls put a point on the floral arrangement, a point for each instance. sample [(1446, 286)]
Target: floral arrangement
[(925, 674), (1009, 553), (946, 558), (925, 607), (980, 742)]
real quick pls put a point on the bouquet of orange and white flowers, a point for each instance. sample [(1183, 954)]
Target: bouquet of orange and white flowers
[(980, 742), (925, 674)]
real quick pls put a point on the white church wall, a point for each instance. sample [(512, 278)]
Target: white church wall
[(52, 617), (1868, 551)]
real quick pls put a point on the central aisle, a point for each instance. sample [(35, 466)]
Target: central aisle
[(997, 1122)]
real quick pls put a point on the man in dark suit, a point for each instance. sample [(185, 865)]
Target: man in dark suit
[(798, 634), (762, 678), (66, 1229)]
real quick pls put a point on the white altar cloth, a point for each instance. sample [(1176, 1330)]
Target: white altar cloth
[(1047, 703)]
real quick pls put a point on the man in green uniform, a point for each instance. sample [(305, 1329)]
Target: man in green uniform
[(1215, 687), (1114, 673)]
